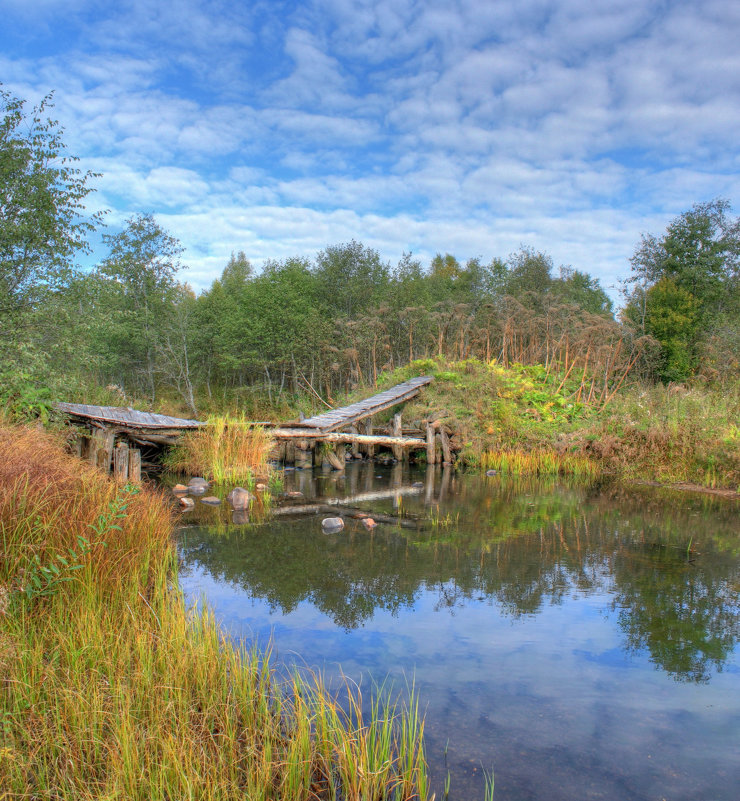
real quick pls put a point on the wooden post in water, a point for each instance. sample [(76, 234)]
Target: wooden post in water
[(303, 457), (355, 446), (120, 462), (397, 432), (369, 449), (431, 450), (446, 449), (336, 457)]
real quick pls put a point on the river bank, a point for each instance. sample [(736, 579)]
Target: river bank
[(112, 688)]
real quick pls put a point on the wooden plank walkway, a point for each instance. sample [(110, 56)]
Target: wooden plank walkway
[(125, 418), (347, 415)]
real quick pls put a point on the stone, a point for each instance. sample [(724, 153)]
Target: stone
[(294, 494), (179, 488), (260, 487), (369, 523), (491, 472), (332, 524), (198, 482), (187, 503), (211, 500), (239, 498)]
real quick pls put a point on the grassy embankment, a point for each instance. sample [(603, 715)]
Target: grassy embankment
[(110, 688), (524, 419)]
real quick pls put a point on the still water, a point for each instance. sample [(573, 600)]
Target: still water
[(581, 642)]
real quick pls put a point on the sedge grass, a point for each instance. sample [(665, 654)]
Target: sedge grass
[(544, 462), (227, 449), (110, 688)]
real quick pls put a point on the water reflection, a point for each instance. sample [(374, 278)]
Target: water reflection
[(673, 584), (573, 637)]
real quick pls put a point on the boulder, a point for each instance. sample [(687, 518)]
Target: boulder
[(332, 524), (239, 498), (369, 523), (179, 488), (211, 500), (187, 503)]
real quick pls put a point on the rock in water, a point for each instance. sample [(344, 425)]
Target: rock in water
[(239, 498), (179, 488), (211, 500), (491, 472), (187, 503), (198, 482), (332, 524), (369, 523)]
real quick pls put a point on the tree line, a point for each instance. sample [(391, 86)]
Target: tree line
[(326, 325)]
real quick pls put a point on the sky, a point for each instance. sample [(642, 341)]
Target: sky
[(473, 127)]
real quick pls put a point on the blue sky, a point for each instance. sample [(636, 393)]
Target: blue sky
[(463, 126)]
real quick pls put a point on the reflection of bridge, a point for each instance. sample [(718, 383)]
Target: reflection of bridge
[(297, 441)]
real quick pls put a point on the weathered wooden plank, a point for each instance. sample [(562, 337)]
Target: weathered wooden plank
[(348, 415), (125, 417)]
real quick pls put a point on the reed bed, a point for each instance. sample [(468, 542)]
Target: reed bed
[(228, 449), (545, 462), (110, 688)]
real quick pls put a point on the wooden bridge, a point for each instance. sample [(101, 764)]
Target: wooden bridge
[(296, 442), (112, 437)]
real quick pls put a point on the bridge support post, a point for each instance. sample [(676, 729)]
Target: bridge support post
[(369, 449), (397, 432), (121, 462), (431, 450), (134, 466)]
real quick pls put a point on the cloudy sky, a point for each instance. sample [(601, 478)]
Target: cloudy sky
[(464, 126)]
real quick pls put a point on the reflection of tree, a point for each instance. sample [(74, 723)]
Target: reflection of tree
[(686, 619), (522, 548)]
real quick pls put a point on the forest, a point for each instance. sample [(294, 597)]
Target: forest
[(131, 331)]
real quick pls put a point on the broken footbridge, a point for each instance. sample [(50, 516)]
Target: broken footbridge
[(113, 437)]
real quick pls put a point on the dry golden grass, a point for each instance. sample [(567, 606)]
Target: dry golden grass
[(110, 688), (228, 449)]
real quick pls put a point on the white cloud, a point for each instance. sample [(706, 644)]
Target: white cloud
[(470, 127)]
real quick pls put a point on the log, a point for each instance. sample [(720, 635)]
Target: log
[(362, 439)]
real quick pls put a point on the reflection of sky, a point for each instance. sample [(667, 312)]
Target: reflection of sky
[(551, 701)]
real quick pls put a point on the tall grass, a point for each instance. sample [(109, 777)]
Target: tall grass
[(111, 688), (545, 462), (227, 449)]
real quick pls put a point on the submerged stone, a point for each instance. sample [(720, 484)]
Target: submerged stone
[(211, 500), (198, 482)]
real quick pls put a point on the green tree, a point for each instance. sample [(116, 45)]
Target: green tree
[(682, 283), (139, 296), (43, 220)]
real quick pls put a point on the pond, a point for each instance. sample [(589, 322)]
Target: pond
[(581, 642)]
